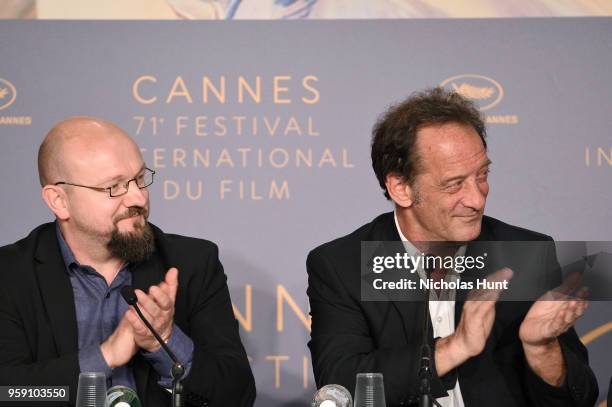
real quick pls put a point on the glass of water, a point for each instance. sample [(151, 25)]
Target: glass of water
[(92, 390), (369, 390)]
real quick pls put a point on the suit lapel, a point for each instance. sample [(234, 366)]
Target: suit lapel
[(411, 313), (474, 249), (56, 291), (148, 273)]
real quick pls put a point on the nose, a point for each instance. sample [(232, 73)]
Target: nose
[(475, 194), (135, 196)]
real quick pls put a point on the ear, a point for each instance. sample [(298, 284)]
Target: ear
[(399, 190), (56, 199)]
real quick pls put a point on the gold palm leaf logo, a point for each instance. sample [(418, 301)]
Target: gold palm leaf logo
[(473, 92), (8, 93), (485, 91)]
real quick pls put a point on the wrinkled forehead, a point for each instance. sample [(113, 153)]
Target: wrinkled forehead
[(449, 147)]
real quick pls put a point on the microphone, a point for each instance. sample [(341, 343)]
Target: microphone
[(425, 398), (122, 396), (178, 370), (128, 294), (332, 395)]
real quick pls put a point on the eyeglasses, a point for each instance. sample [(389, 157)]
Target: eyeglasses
[(142, 181)]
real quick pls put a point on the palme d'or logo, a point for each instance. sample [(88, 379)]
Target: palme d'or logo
[(484, 91), (8, 94)]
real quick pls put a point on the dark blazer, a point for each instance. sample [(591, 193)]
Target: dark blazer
[(38, 328), (351, 336)]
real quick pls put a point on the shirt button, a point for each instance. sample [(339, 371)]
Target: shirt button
[(439, 319)]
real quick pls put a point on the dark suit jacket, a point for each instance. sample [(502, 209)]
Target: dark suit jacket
[(351, 336), (38, 328)]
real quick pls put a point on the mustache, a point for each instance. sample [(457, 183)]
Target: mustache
[(133, 211)]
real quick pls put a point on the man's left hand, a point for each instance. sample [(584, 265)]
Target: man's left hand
[(553, 314), (158, 308), (550, 316)]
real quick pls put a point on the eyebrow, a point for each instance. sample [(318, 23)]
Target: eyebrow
[(461, 177), (118, 178)]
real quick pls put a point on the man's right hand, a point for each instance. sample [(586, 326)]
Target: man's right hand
[(476, 322), (119, 348)]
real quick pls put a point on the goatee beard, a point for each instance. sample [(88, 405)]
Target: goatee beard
[(132, 247)]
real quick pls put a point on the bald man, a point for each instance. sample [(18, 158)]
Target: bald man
[(61, 310)]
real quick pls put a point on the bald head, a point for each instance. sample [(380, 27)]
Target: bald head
[(73, 141)]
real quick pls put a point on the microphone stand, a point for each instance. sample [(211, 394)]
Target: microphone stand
[(425, 397), (178, 370)]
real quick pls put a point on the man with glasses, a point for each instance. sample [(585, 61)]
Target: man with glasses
[(61, 309)]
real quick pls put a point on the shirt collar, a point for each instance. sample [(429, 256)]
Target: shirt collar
[(67, 254), (446, 295), (410, 248), (69, 259)]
